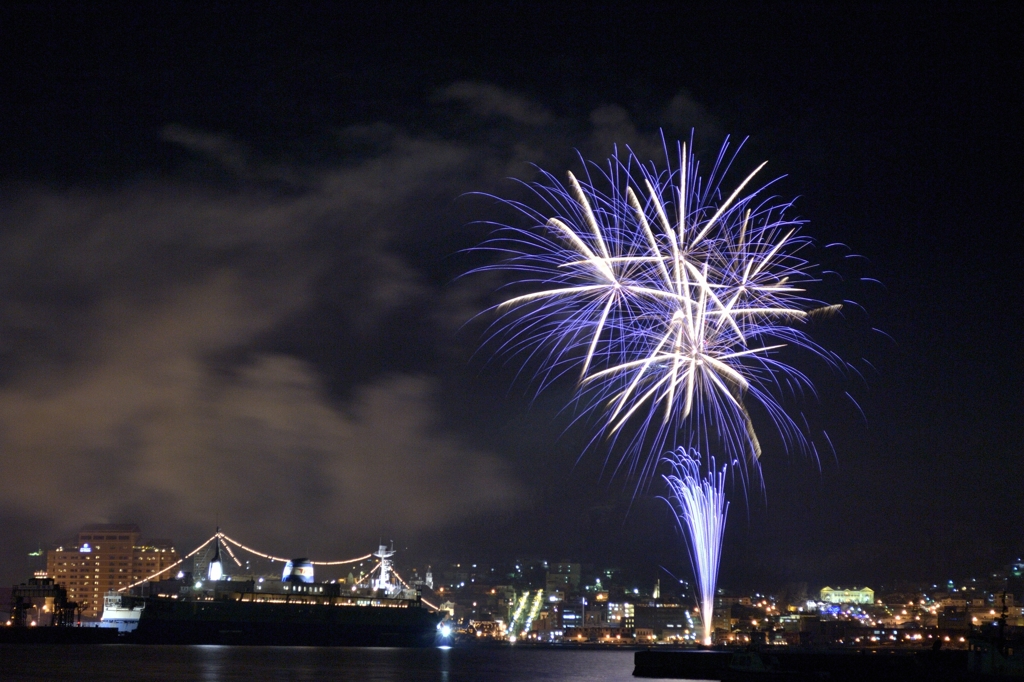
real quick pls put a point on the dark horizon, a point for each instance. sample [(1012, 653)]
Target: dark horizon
[(233, 240)]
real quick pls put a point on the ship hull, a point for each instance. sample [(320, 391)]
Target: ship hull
[(167, 621)]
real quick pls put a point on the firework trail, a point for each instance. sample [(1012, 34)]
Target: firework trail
[(700, 509)]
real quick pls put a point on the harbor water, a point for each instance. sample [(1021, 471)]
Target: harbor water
[(221, 663)]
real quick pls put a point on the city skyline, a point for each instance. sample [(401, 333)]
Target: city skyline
[(588, 600), (231, 246), (640, 579)]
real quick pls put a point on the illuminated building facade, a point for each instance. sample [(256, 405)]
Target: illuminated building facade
[(106, 557), (40, 602), (854, 596)]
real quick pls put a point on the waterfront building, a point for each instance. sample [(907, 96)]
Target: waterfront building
[(40, 602), (5, 604), (721, 619), (664, 620), (839, 596), (954, 618), (621, 614), (106, 557), (596, 616), (563, 577), (983, 614), (726, 603)]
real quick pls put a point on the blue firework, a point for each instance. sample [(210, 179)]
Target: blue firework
[(668, 295)]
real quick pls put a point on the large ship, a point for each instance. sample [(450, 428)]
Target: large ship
[(293, 611)]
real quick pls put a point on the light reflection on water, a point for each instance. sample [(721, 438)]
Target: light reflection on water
[(225, 664)]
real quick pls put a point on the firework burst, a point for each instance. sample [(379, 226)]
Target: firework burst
[(670, 298)]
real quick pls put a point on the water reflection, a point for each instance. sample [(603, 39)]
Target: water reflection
[(211, 662), (231, 664), (445, 662)]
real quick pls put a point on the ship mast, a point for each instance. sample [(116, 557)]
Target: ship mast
[(383, 581), (216, 568)]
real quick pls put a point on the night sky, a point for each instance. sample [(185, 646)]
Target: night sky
[(231, 244)]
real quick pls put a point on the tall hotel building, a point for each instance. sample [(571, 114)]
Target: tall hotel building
[(106, 557)]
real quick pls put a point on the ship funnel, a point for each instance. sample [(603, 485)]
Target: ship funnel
[(298, 571)]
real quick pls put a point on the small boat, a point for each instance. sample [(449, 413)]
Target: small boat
[(119, 614)]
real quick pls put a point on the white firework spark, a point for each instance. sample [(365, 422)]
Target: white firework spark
[(668, 297)]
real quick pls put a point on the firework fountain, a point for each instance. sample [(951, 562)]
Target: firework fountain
[(700, 508), (670, 297)]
